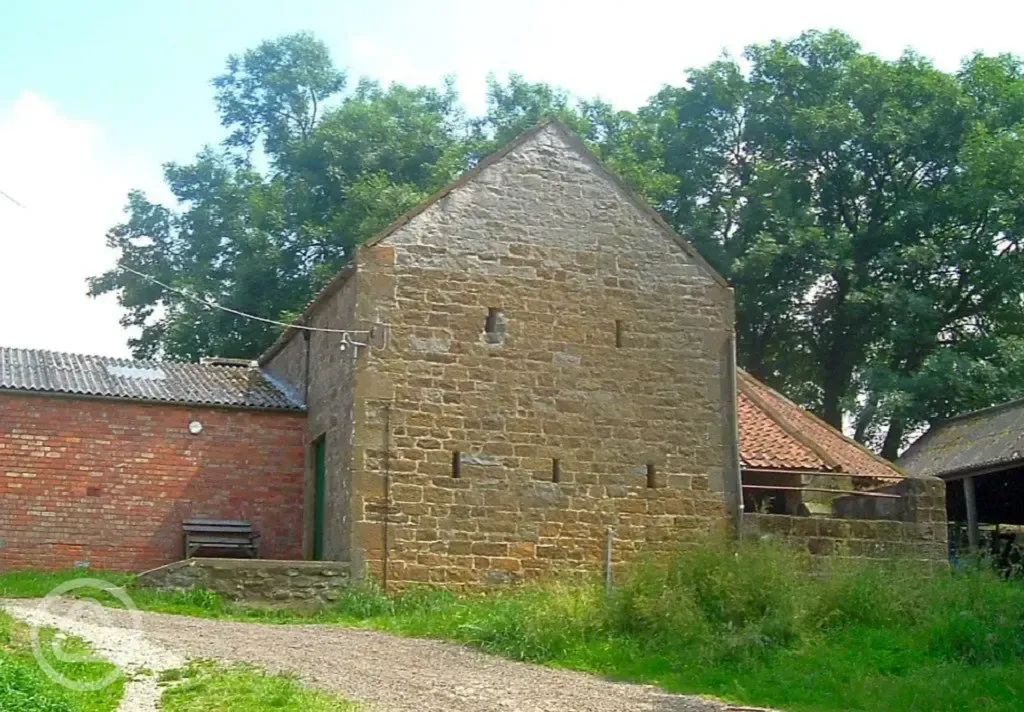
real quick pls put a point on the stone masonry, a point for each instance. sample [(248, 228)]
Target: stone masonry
[(557, 363), (911, 527), (274, 582)]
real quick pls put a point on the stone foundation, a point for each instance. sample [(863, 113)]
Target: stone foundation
[(254, 581)]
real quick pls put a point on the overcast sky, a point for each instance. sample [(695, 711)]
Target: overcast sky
[(95, 96)]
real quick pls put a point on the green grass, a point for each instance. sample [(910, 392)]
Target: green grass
[(203, 687), (754, 624), (24, 687)]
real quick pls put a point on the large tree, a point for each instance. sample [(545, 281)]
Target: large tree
[(338, 167), (865, 211)]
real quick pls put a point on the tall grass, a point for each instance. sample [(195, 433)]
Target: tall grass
[(756, 623)]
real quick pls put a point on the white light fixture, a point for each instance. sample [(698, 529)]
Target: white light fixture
[(195, 427)]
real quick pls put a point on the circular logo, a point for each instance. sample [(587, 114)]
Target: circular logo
[(87, 615)]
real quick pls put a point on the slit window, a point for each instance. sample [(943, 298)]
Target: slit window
[(495, 326), (652, 475), (619, 333), (456, 465), (556, 470)]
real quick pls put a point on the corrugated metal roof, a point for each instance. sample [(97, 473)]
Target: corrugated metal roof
[(777, 434), (186, 383), (973, 441)]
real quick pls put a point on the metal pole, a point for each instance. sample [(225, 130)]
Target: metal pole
[(609, 542), (387, 489), (971, 503)]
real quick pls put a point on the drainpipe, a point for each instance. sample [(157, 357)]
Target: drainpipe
[(733, 473), (305, 372), (387, 489)]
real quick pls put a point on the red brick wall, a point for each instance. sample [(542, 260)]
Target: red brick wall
[(108, 482)]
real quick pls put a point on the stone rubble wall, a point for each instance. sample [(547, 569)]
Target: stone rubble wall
[(254, 580), (608, 353), (912, 527)]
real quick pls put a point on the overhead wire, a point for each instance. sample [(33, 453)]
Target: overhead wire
[(211, 304)]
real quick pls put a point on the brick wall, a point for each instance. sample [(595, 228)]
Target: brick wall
[(544, 238), (108, 482), (912, 527)]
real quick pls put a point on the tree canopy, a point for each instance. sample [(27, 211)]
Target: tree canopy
[(868, 212)]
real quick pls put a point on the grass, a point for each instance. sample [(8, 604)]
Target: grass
[(24, 687), (204, 686), (754, 624)]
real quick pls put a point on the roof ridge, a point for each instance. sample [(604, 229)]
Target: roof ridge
[(79, 355), (746, 381), (980, 411), (466, 177)]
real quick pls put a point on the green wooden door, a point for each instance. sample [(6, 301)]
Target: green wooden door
[(319, 497)]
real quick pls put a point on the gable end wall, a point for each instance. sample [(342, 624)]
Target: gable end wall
[(545, 237)]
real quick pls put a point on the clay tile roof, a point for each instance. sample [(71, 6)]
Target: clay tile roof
[(987, 438), (231, 384), (777, 434)]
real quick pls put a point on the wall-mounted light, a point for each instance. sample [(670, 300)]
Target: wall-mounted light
[(195, 427)]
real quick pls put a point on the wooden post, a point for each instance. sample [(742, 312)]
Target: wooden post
[(971, 503)]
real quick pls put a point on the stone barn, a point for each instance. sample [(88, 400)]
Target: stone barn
[(533, 357)]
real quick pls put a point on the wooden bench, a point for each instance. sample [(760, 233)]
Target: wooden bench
[(225, 534)]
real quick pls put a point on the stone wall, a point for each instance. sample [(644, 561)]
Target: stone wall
[(912, 527), (329, 389), (104, 483), (595, 399), (291, 583)]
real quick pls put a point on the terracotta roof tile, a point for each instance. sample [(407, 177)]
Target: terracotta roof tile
[(777, 434)]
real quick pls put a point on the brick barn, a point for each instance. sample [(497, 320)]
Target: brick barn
[(101, 459), (526, 369)]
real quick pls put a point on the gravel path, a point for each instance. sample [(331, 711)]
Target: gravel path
[(390, 674), (137, 657)]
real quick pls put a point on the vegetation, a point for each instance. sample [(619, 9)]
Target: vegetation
[(205, 686), (866, 210), (754, 624), (24, 687)]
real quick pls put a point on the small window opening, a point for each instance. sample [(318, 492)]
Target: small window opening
[(456, 464), (619, 330), (495, 326), (556, 470), (651, 475)]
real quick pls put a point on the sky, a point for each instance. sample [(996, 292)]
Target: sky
[(96, 96)]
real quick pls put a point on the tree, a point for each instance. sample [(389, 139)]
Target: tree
[(861, 208), (341, 167)]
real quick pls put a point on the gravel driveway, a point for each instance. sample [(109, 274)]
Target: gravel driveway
[(389, 673)]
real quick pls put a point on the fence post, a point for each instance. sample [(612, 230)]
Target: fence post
[(609, 542)]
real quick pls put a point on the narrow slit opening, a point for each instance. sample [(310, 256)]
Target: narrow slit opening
[(556, 470), (495, 326), (619, 329), (651, 476), (456, 464)]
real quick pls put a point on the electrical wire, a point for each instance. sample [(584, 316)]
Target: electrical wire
[(6, 195), (210, 304)]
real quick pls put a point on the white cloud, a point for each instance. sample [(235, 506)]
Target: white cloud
[(73, 188)]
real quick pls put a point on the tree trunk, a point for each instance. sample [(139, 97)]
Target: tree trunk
[(838, 356), (893, 438), (867, 414)]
